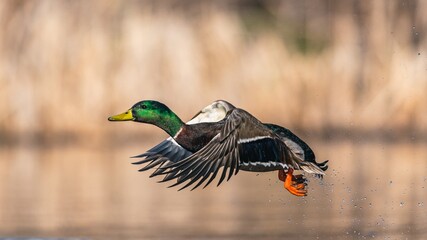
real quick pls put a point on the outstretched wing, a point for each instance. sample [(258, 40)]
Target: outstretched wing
[(162, 155), (221, 152)]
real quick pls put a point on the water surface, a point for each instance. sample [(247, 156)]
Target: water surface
[(372, 190)]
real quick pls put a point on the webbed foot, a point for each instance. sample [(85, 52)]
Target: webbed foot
[(294, 184)]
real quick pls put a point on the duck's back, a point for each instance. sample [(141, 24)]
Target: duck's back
[(195, 136)]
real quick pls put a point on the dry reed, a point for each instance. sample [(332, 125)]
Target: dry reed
[(66, 65)]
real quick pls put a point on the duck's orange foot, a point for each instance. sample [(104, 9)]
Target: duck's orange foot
[(294, 184)]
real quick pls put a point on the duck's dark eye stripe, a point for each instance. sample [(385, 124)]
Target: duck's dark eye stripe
[(143, 107)]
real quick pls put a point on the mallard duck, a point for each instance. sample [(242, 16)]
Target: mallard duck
[(170, 151), (222, 136)]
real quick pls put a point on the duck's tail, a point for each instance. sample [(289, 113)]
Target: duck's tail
[(318, 169), (311, 168), (323, 165)]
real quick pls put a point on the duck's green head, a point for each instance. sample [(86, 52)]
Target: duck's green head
[(152, 112), (146, 111)]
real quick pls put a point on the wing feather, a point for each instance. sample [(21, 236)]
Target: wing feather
[(206, 173), (221, 151), (196, 177), (215, 171)]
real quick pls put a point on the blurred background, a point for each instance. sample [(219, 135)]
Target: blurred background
[(349, 77)]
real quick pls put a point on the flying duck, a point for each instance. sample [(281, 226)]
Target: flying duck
[(222, 136)]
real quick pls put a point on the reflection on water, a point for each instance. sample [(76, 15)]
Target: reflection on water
[(372, 190)]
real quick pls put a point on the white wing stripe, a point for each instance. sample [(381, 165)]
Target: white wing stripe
[(266, 164), (246, 140)]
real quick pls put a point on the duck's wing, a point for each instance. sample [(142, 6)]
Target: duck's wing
[(297, 145), (243, 141), (169, 151), (214, 112), (221, 151), (162, 155)]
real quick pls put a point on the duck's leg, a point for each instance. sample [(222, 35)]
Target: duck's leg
[(294, 184)]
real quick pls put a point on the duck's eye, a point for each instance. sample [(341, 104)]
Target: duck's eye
[(143, 106)]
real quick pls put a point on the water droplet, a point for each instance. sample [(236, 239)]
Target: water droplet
[(420, 204), (413, 27), (401, 204)]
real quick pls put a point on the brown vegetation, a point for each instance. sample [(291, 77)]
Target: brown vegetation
[(353, 65)]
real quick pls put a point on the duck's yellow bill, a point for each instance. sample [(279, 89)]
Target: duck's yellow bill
[(126, 116)]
